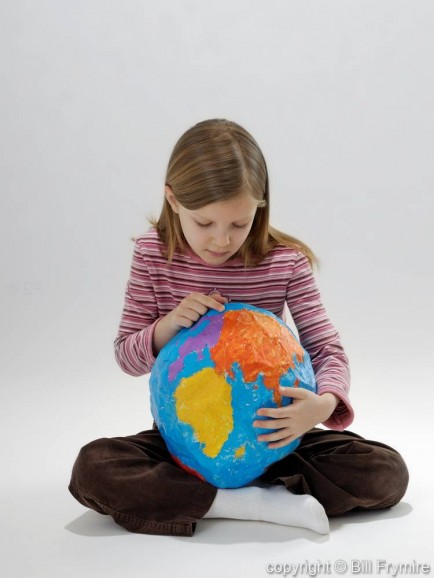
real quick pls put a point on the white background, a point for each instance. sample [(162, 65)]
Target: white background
[(94, 94)]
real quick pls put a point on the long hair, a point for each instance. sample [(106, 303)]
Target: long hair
[(217, 160)]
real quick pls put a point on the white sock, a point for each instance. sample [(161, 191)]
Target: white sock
[(270, 504)]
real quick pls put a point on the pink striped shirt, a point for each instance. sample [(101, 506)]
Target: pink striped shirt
[(156, 287)]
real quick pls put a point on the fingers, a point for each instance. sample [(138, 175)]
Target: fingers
[(201, 303), (269, 412), (194, 306), (214, 301), (289, 421), (217, 302), (219, 298), (283, 426), (279, 438), (276, 412), (283, 442), (270, 424), (295, 392), (275, 436)]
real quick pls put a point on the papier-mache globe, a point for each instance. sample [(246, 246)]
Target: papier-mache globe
[(208, 382)]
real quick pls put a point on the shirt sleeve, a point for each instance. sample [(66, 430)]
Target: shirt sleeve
[(133, 344), (320, 339)]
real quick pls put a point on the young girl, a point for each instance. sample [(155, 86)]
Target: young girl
[(212, 243)]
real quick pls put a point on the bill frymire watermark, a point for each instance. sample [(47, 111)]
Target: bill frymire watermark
[(379, 567)]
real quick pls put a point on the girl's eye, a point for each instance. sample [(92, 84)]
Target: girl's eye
[(204, 225)]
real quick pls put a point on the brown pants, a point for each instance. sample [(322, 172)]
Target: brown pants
[(135, 480)]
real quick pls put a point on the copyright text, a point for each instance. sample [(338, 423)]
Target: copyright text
[(378, 567)]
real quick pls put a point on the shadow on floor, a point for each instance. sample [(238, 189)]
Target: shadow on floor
[(359, 517), (209, 531), (93, 524)]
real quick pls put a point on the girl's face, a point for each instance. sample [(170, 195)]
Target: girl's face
[(216, 231)]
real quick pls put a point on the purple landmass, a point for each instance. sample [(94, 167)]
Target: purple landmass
[(208, 337)]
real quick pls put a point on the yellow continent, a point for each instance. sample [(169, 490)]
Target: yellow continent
[(204, 401)]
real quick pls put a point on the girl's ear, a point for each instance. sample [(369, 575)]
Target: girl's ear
[(171, 198)]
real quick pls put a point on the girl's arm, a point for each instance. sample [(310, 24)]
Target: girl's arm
[(330, 405), (133, 344), (321, 340), (143, 330)]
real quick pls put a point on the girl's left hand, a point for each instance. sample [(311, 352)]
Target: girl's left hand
[(307, 410)]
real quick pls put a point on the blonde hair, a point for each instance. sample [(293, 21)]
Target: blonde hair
[(217, 160)]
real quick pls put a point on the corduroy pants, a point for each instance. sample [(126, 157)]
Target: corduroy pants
[(135, 480)]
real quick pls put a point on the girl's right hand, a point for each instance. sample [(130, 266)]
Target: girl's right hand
[(185, 315), (193, 307)]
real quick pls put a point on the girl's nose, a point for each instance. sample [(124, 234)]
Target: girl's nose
[(222, 239)]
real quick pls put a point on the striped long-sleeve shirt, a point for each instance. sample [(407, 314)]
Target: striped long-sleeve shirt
[(155, 287)]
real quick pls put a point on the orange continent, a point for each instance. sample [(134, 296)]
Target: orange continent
[(260, 344)]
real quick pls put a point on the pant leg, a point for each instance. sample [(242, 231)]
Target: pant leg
[(343, 471), (135, 480)]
